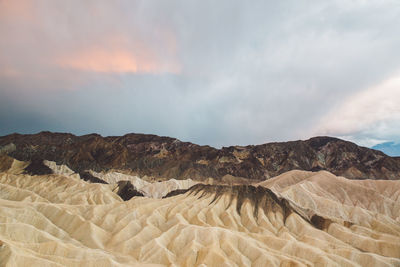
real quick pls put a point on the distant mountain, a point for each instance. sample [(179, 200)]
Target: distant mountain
[(389, 148), (165, 157)]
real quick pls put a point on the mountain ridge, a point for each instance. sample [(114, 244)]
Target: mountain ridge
[(167, 157)]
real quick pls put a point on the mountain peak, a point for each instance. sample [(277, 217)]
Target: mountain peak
[(165, 157)]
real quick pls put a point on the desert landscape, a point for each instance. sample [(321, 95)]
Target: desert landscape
[(298, 218), (204, 133)]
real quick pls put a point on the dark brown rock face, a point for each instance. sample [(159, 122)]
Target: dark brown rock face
[(36, 167), (5, 162), (126, 190), (170, 158), (258, 197), (86, 176)]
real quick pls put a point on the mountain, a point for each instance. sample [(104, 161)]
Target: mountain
[(165, 157), (94, 210), (389, 148)]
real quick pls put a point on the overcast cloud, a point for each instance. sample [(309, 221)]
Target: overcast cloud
[(210, 72)]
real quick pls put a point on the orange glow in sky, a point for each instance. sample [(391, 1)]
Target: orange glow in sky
[(16, 10), (116, 60), (124, 51)]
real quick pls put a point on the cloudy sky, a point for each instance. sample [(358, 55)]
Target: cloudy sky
[(210, 72)]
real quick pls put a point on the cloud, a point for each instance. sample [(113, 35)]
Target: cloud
[(373, 112), (92, 37), (97, 59), (218, 73), (16, 10)]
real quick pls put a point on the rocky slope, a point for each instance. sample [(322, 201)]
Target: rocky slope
[(124, 185), (155, 156), (290, 220)]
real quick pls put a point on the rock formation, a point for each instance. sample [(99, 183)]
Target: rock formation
[(70, 200), (296, 219), (163, 157)]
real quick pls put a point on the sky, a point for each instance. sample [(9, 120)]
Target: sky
[(389, 148), (209, 72)]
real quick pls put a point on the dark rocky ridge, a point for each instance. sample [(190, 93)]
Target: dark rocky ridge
[(86, 176), (259, 197), (167, 157), (37, 167), (5, 162), (176, 192), (126, 190)]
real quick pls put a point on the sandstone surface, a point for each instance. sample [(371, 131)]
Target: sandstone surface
[(296, 219)]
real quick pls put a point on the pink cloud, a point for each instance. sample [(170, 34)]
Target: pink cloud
[(366, 111), (16, 10), (42, 39), (100, 59)]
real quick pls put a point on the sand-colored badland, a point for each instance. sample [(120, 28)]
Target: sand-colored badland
[(296, 219)]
